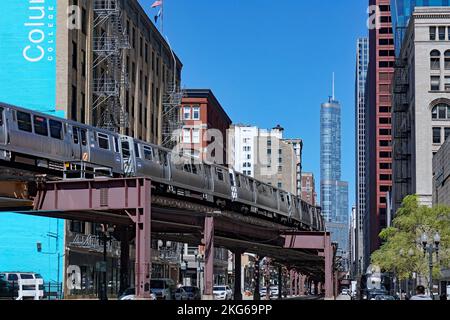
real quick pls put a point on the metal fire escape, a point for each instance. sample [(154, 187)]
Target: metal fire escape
[(110, 43), (171, 115), (401, 132)]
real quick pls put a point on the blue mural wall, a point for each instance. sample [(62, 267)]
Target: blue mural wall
[(28, 79)]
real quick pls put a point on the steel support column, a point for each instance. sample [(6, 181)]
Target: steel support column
[(280, 282), (237, 275), (124, 259), (296, 284), (291, 279), (209, 258), (328, 251), (142, 219)]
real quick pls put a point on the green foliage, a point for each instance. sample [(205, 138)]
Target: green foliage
[(403, 239)]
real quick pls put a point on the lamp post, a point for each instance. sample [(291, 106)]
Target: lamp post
[(105, 232), (431, 248)]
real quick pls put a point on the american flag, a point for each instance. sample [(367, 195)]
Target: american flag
[(157, 4)]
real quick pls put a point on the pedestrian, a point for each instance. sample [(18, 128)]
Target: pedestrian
[(420, 294)]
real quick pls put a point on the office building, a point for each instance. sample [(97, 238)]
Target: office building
[(378, 126), (308, 192), (297, 144), (421, 103), (205, 125), (362, 61), (401, 13), (263, 155), (333, 191)]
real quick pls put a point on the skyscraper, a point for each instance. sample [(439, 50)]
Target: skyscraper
[(333, 191), (402, 11), (362, 56), (378, 126)]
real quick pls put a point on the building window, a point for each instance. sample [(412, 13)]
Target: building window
[(280, 185), (196, 136), (187, 113), (446, 133), (441, 112), (432, 33), (280, 169), (186, 135), (442, 33), (195, 113), (74, 55), (435, 83), (447, 83), (436, 135), (447, 60), (435, 60)]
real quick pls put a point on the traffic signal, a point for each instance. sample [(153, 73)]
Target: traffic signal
[(39, 246)]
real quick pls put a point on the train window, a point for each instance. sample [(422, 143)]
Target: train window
[(187, 168), (219, 174), (136, 150), (24, 121), (195, 169), (83, 137), (126, 149), (148, 153), (40, 126), (55, 129), (282, 197), (162, 157), (75, 135), (116, 144), (1, 116), (288, 200), (103, 141)]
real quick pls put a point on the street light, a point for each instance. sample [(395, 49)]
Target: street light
[(106, 232), (431, 248)]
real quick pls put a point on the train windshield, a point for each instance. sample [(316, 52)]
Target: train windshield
[(126, 149)]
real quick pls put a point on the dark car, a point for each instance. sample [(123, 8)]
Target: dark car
[(193, 292), (384, 297), (6, 289)]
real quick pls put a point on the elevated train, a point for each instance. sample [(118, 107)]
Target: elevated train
[(50, 143)]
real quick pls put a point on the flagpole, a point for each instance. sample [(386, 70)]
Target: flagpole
[(162, 17)]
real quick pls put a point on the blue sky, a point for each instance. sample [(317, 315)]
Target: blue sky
[(270, 62)]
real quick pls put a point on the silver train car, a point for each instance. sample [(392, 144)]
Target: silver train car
[(42, 141)]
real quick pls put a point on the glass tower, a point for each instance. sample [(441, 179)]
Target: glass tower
[(334, 192), (401, 12)]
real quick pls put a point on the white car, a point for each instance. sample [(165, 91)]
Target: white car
[(222, 293), (129, 294), (344, 292), (274, 291)]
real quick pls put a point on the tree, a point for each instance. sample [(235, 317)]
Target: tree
[(402, 251)]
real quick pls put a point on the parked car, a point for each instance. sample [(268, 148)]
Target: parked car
[(384, 297), (164, 289), (263, 292), (130, 294), (6, 289), (181, 294), (192, 292), (229, 293), (29, 280), (221, 293), (344, 292), (274, 291)]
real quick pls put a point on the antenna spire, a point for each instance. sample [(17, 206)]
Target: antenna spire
[(333, 88)]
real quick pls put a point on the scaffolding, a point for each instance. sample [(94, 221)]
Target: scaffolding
[(110, 77)]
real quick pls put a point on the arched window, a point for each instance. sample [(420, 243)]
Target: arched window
[(435, 60), (441, 112), (447, 59)]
